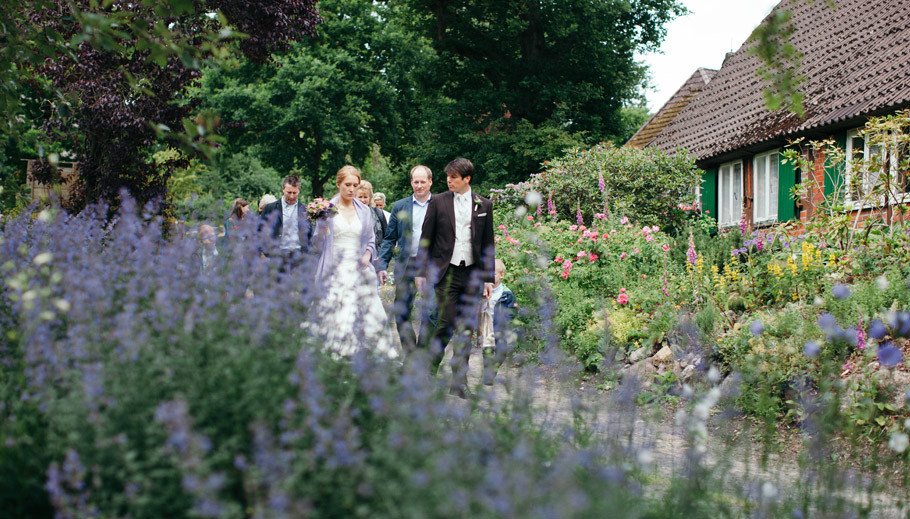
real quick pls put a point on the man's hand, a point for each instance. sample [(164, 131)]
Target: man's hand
[(421, 282), (487, 290), (383, 277)]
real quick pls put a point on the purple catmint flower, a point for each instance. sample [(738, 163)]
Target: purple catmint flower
[(827, 322), (840, 291), (757, 327), (889, 355), (812, 349), (877, 330)]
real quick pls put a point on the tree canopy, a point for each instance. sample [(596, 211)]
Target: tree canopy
[(109, 74), (533, 77)]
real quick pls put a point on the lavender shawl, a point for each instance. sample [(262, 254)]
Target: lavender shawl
[(324, 239)]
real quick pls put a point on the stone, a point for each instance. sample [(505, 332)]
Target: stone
[(644, 370), (664, 356), (687, 373), (639, 354)]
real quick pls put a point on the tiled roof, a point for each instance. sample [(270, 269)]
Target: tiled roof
[(671, 108), (856, 62)]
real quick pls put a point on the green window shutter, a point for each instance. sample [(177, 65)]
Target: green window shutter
[(834, 172), (787, 179), (709, 192)]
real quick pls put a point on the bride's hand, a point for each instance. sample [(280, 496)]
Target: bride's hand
[(364, 261)]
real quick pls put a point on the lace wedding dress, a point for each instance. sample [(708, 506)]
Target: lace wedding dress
[(353, 314)]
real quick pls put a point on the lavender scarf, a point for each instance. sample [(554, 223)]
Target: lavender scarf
[(324, 239)]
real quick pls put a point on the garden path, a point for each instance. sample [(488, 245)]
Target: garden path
[(558, 397)]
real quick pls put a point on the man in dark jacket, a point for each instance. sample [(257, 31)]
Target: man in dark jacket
[(403, 231), (290, 226)]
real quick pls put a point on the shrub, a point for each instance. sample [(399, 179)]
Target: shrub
[(647, 186)]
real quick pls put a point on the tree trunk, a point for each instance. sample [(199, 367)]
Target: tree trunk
[(316, 178)]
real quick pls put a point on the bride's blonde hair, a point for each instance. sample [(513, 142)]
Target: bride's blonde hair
[(344, 172)]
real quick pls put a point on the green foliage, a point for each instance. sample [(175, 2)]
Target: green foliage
[(647, 185), (202, 191), (517, 83), (325, 104)]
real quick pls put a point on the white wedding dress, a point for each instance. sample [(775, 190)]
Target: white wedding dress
[(353, 316)]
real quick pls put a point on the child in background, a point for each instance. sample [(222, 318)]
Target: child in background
[(496, 312)]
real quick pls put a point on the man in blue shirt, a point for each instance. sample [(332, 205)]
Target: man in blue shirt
[(404, 230)]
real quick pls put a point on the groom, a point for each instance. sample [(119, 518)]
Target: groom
[(457, 242)]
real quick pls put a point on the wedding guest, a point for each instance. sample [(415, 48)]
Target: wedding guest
[(290, 226), (240, 211), (365, 196), (354, 315), (497, 313), (208, 250), (379, 203), (459, 257), (405, 226)]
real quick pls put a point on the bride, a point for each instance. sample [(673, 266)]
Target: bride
[(351, 314)]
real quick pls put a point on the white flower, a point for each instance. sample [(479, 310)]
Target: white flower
[(533, 198), (882, 283), (768, 490), (713, 375), (521, 211), (645, 457), (43, 258), (62, 304), (701, 410), (687, 391), (898, 442)]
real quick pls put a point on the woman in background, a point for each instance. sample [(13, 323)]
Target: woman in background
[(365, 195), (240, 210)]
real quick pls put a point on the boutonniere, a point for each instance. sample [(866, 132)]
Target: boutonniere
[(476, 204)]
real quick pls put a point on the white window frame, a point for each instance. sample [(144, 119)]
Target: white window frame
[(851, 155), (726, 201), (769, 212)]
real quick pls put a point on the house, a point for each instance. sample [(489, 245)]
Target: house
[(68, 171), (679, 101), (856, 64)]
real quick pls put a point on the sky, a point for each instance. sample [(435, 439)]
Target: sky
[(700, 39)]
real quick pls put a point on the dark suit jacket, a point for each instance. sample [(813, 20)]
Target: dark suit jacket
[(398, 232), (273, 216), (439, 235)]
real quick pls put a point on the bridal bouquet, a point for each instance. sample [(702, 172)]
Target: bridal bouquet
[(320, 208)]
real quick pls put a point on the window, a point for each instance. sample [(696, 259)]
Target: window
[(865, 164), (730, 193), (766, 180)]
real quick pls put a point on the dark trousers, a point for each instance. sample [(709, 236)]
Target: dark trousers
[(404, 308), (458, 296)]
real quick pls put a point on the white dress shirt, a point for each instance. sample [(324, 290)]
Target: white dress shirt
[(418, 213), (462, 250), (290, 236)]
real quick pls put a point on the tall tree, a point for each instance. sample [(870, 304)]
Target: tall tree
[(526, 77), (329, 100), (121, 66)]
